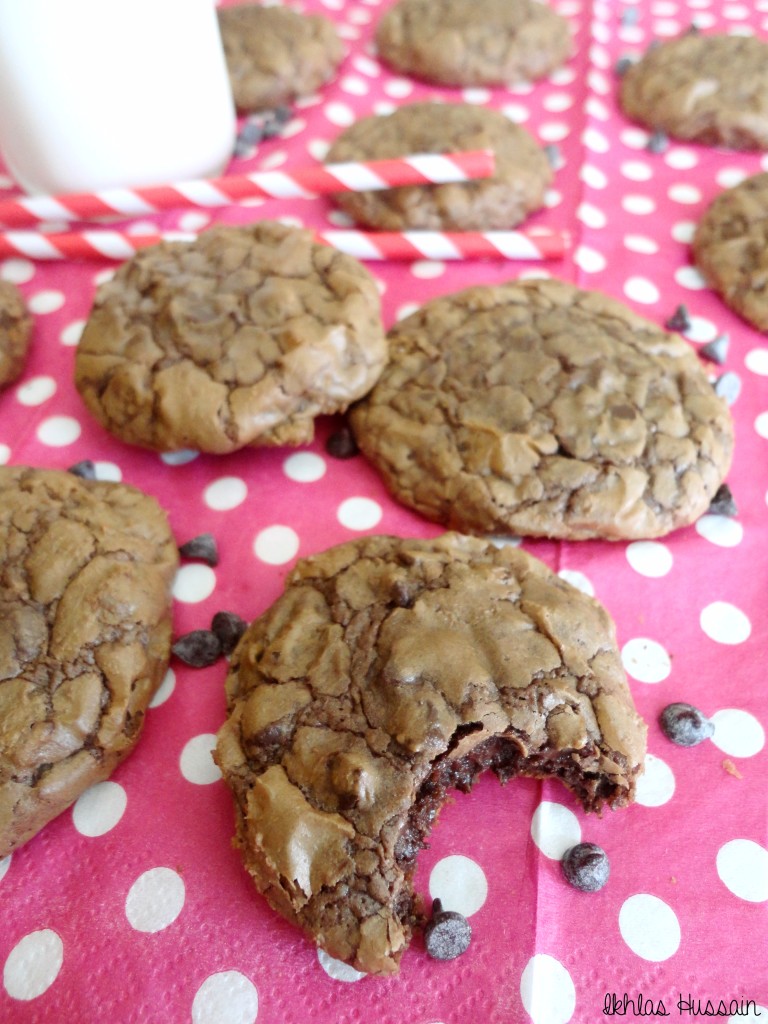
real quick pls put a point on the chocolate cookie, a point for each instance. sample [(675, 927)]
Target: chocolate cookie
[(15, 333), (275, 54), (730, 247), (536, 408), (521, 177), (389, 672), (473, 42), (707, 89), (239, 338), (85, 630)]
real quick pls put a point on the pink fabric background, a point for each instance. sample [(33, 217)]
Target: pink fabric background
[(685, 908)]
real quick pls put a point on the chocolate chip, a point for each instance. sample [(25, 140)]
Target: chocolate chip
[(717, 349), (228, 628), (199, 648), (342, 444), (623, 64), (85, 469), (553, 155), (728, 386), (275, 120), (658, 142), (203, 548), (685, 725), (586, 867), (448, 933), (680, 320), (723, 503)]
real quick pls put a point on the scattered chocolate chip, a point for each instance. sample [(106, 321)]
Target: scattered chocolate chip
[(685, 725), (553, 155), (658, 142), (199, 648), (723, 503), (586, 867), (680, 320), (342, 444), (623, 64), (85, 469), (728, 386), (202, 548), (275, 120), (693, 29), (228, 628), (448, 933), (717, 349)]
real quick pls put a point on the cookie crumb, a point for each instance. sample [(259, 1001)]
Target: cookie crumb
[(731, 768)]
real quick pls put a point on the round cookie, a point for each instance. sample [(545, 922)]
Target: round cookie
[(730, 247), (239, 338), (85, 633), (517, 187), (707, 89), (388, 672), (275, 54), (535, 408), (473, 42), (15, 333)]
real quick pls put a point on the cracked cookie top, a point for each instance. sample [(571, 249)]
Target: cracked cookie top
[(15, 332), (539, 409), (389, 671), (521, 177), (239, 338), (730, 247), (85, 623), (707, 89), (473, 42)]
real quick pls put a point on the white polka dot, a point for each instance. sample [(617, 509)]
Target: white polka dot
[(640, 289), (5, 863), (155, 900), (557, 102), (104, 275), (516, 112), (226, 998), (459, 883), (476, 95), (593, 176), (425, 269), (398, 88), (19, 271), (196, 763), (735, 11), (636, 170), (383, 108), (33, 964), (359, 513), (577, 579), (276, 544), (729, 177), (99, 809), (354, 85), (179, 458), (591, 216), (406, 310), (590, 260), (725, 623), (108, 471), (656, 786), (193, 220), (318, 148), (547, 991), (337, 969), (689, 277), (640, 244), (634, 138), (598, 82), (552, 198), (595, 141), (683, 231), (681, 159), (752, 1014), (649, 558), (554, 829), (46, 302), (600, 57), (563, 76), (649, 927), (520, 88), (756, 360), (367, 66), (225, 493), (742, 866), (645, 660), (701, 329), (304, 467), (639, 205), (58, 431), (71, 333), (36, 390), (720, 530), (682, 192), (554, 131), (666, 28), (194, 583), (339, 114), (164, 690), (761, 424), (596, 108), (737, 733), (5, 454)]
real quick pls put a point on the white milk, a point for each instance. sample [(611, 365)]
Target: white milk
[(103, 93)]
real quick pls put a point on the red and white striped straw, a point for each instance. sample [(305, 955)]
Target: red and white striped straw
[(299, 183), (532, 244)]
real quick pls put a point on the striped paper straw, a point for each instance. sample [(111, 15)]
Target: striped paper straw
[(532, 244), (300, 183)]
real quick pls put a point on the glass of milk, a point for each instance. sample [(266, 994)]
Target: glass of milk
[(97, 94)]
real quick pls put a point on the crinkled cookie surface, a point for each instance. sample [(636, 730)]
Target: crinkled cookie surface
[(15, 332)]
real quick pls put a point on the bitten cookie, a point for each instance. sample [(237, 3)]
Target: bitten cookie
[(473, 42), (536, 408), (521, 177), (275, 54), (730, 247), (85, 631), (389, 672), (15, 333), (707, 89), (239, 338)]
